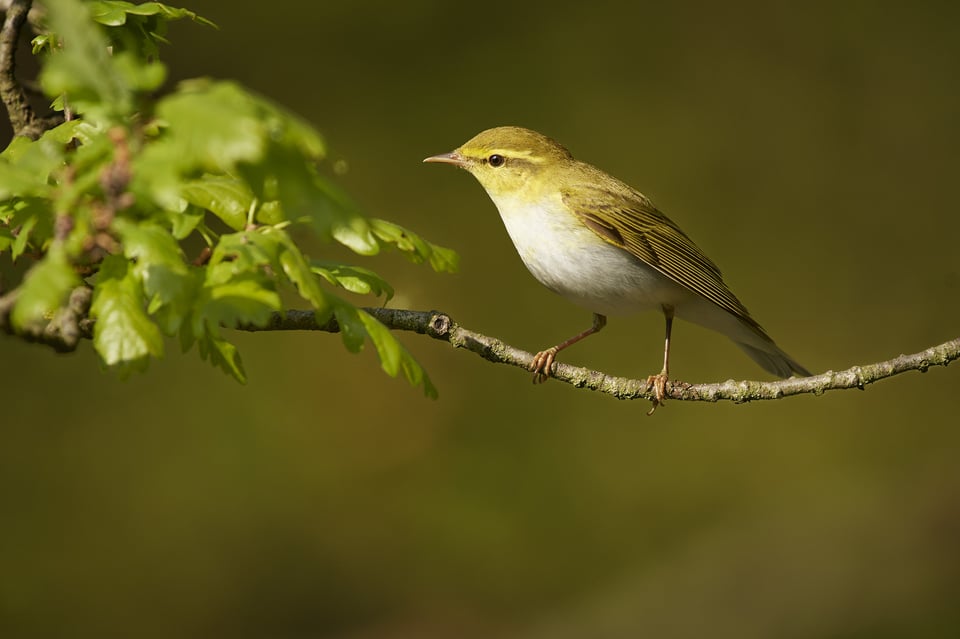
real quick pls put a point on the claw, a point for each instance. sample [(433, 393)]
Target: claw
[(542, 365), (658, 384)]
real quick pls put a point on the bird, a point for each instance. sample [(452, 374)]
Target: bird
[(604, 246)]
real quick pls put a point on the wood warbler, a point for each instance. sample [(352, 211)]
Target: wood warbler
[(603, 245)]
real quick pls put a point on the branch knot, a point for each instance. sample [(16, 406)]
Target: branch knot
[(440, 325)]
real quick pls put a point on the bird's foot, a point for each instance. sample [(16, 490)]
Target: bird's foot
[(542, 364), (658, 384)]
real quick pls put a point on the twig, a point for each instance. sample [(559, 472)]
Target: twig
[(439, 326), (22, 117), (72, 323), (63, 331)]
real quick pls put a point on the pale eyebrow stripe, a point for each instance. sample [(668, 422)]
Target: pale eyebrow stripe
[(517, 155)]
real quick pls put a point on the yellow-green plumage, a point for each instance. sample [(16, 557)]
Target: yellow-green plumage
[(601, 243)]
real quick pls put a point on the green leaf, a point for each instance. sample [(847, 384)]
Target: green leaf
[(415, 247), (298, 271), (223, 355), (84, 69), (394, 358), (114, 13), (157, 173), (270, 213), (87, 163), (288, 130), (227, 198), (443, 260), (19, 181), (213, 125), (266, 250), (284, 176), (336, 215), (169, 284), (149, 243), (242, 254), (241, 301), (32, 221), (185, 222), (260, 150), (207, 127), (138, 28), (353, 278), (26, 166), (139, 75), (171, 295), (354, 232), (352, 331), (20, 242), (71, 130), (123, 335), (41, 43), (17, 145), (45, 289)]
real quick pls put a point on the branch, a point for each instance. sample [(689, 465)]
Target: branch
[(71, 324), (439, 326), (14, 97), (22, 117), (63, 331)]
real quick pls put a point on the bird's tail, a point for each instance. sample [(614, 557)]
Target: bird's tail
[(745, 333), (774, 360)]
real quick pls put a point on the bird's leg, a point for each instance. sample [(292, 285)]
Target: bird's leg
[(659, 382), (543, 361)]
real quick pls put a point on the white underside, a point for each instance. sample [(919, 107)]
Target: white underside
[(573, 261)]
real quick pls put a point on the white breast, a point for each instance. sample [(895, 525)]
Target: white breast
[(570, 259)]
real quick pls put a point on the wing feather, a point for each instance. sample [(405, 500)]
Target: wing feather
[(629, 220)]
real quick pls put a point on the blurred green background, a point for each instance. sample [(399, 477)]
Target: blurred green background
[(809, 148)]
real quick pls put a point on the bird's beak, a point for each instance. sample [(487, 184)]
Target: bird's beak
[(448, 158)]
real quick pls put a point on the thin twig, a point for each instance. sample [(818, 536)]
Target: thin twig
[(63, 331), (22, 117), (72, 324), (439, 326)]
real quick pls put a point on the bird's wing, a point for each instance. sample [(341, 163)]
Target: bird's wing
[(631, 222)]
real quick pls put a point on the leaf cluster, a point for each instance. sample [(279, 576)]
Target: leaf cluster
[(115, 196)]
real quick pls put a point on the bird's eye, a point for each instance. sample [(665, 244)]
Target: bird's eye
[(496, 160)]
